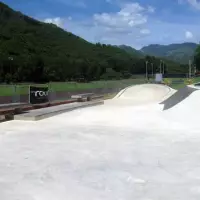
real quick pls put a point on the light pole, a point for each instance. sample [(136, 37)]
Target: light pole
[(160, 66), (163, 67), (146, 69), (195, 70)]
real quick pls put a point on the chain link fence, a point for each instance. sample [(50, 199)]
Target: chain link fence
[(60, 91), (63, 91)]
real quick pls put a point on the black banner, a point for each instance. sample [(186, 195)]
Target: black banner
[(38, 95)]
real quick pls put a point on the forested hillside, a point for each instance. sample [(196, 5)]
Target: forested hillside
[(132, 51), (35, 51), (197, 58), (181, 53)]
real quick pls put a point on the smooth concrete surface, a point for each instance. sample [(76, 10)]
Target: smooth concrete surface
[(104, 153), (38, 114)]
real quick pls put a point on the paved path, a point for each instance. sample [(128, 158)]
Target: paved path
[(106, 152)]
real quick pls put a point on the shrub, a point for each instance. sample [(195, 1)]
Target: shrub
[(189, 81), (167, 81)]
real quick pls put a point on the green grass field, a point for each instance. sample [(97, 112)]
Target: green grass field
[(181, 85), (8, 90), (20, 89)]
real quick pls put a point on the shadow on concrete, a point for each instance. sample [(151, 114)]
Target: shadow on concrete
[(177, 97)]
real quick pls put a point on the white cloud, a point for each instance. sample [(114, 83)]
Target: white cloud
[(132, 36), (145, 31), (151, 9), (130, 25), (194, 3), (188, 35), (130, 15), (57, 21)]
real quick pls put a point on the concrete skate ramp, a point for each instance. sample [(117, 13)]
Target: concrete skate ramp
[(142, 94), (177, 97), (187, 111), (146, 92)]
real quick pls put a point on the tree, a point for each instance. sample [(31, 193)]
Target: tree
[(38, 70), (197, 58)]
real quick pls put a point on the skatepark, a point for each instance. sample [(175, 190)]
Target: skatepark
[(141, 145)]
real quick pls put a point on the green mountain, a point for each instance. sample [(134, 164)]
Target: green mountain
[(31, 50), (177, 52), (132, 51)]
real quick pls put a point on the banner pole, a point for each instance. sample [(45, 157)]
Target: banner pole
[(49, 91), (29, 87)]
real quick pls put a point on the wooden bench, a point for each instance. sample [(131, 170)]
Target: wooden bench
[(83, 97), (12, 108), (7, 111)]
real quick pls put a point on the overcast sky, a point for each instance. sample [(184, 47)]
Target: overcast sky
[(134, 23)]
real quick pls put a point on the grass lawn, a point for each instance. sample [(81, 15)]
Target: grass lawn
[(109, 96), (9, 90), (183, 84)]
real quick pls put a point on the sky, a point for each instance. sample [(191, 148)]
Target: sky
[(135, 23)]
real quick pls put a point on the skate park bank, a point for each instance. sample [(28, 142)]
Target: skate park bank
[(140, 147), (159, 96)]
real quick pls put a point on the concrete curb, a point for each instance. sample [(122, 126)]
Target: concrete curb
[(44, 113)]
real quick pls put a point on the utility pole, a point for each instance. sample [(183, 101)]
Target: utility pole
[(146, 69), (160, 66), (195, 70), (163, 68)]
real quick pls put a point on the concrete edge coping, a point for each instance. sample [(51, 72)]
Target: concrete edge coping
[(171, 91), (35, 116)]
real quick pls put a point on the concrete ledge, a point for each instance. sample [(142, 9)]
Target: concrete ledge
[(77, 96), (12, 108), (43, 113), (11, 105), (83, 97)]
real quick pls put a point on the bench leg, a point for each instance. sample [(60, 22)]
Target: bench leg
[(89, 98), (79, 99)]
